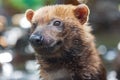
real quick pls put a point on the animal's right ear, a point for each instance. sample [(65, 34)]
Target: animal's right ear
[(81, 13), (29, 14)]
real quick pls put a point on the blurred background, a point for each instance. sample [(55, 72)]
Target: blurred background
[(17, 60)]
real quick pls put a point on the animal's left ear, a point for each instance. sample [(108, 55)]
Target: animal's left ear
[(81, 12), (29, 14)]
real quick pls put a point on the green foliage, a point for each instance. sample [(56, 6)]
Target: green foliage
[(25, 4)]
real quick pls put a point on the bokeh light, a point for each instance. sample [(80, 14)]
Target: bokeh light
[(110, 55), (102, 49), (13, 35), (112, 76), (24, 23), (119, 46), (5, 57), (7, 69)]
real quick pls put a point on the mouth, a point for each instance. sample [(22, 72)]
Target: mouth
[(59, 43), (50, 48)]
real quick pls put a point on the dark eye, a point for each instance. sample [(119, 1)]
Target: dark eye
[(57, 23), (34, 25)]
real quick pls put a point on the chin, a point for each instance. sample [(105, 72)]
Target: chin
[(47, 49)]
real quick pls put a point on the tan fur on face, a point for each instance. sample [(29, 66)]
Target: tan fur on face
[(44, 15)]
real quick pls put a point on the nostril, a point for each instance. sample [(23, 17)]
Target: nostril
[(39, 39), (36, 39)]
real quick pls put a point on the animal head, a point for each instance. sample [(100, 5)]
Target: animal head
[(55, 26)]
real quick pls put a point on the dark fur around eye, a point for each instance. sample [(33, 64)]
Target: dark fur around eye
[(34, 25), (57, 23)]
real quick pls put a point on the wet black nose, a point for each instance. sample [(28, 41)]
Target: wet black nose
[(36, 40)]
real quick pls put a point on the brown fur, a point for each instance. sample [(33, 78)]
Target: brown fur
[(78, 58)]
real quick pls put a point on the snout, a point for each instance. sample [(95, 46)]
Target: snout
[(44, 42), (36, 40), (39, 40)]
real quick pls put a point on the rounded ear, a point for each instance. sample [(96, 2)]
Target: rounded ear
[(81, 12), (29, 14)]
